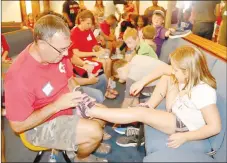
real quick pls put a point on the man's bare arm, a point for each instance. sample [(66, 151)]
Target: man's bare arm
[(35, 119)]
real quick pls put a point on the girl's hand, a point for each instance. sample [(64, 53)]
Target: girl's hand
[(176, 140)]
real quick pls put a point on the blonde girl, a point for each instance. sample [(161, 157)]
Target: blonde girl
[(189, 88)]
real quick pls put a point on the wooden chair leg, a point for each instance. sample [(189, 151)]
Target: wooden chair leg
[(66, 157), (38, 157)]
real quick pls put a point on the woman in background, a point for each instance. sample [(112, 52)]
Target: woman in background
[(222, 31), (130, 8), (99, 8)]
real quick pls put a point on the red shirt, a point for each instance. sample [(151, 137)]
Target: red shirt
[(5, 46), (105, 28), (29, 86), (84, 41), (30, 24)]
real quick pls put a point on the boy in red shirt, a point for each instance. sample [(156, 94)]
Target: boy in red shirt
[(108, 32)]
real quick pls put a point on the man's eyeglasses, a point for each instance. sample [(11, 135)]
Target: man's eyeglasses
[(59, 51)]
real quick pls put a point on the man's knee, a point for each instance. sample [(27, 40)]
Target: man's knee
[(95, 131)]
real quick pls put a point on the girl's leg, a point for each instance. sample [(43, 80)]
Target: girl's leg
[(160, 120)]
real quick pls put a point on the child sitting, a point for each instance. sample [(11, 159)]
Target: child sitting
[(141, 21), (186, 24), (107, 27), (30, 22), (161, 32), (141, 47)]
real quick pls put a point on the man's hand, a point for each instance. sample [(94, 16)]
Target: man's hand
[(176, 140), (68, 100)]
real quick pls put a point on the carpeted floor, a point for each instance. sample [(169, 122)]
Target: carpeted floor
[(16, 152)]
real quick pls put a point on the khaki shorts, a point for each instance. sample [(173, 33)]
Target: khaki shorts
[(59, 133)]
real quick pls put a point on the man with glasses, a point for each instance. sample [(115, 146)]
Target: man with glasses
[(39, 94)]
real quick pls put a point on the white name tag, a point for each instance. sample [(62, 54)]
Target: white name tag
[(89, 38), (47, 89), (225, 13)]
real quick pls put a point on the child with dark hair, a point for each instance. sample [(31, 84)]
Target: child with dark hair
[(107, 31), (141, 21), (185, 24)]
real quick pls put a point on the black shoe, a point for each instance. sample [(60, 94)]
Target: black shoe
[(129, 141)]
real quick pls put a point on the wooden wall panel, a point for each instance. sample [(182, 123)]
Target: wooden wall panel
[(138, 5), (35, 8), (23, 11), (46, 4)]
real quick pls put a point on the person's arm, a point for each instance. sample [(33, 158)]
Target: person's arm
[(86, 54), (169, 31), (64, 13), (24, 104), (86, 81), (162, 69), (75, 60), (4, 55), (35, 119), (108, 38), (212, 127)]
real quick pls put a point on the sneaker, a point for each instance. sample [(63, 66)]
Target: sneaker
[(128, 141), (120, 130), (91, 158), (83, 106), (180, 33), (129, 131), (52, 158), (132, 131)]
